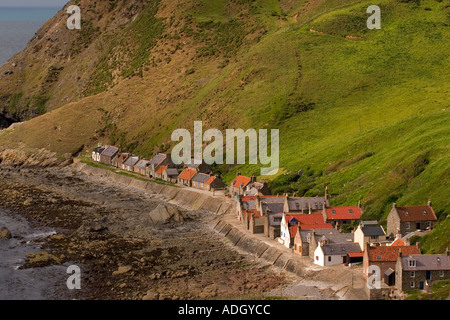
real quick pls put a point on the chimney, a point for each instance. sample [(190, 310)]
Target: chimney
[(238, 174), (359, 204), (446, 251), (286, 203), (394, 205), (252, 178), (257, 203), (418, 245), (400, 252), (429, 203), (326, 193), (309, 207)]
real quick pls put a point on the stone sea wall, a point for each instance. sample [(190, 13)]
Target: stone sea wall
[(189, 199)]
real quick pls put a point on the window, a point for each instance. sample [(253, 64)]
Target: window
[(317, 257), (406, 213), (333, 211), (407, 226), (350, 211), (441, 273), (412, 263), (413, 274), (424, 212), (379, 256), (329, 258), (411, 284)]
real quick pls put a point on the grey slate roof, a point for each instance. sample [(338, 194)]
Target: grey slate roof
[(142, 164), (110, 151), (339, 237), (426, 262), (298, 204), (131, 161), (372, 230), (274, 207), (340, 248), (156, 160), (318, 233), (201, 177), (172, 172)]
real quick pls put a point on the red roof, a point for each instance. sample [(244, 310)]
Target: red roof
[(210, 180), (355, 254), (398, 242), (187, 174), (343, 213), (390, 253), (316, 226), (306, 222), (416, 213), (240, 181), (255, 212), (161, 169)]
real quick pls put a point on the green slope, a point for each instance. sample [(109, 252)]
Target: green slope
[(367, 115)]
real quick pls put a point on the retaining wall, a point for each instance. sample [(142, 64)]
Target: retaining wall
[(175, 195)]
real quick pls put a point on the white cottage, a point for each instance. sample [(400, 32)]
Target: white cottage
[(331, 254)]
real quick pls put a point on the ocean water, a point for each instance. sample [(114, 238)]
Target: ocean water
[(18, 26), (26, 284)]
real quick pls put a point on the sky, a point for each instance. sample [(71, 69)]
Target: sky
[(33, 3)]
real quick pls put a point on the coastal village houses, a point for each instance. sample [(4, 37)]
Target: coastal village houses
[(369, 232), (292, 222), (309, 226), (404, 220), (120, 159), (185, 177), (336, 253), (161, 159), (415, 271), (384, 257), (340, 216), (130, 163), (96, 153), (108, 155), (141, 166)]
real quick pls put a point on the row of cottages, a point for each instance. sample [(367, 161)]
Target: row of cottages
[(195, 176), (160, 166)]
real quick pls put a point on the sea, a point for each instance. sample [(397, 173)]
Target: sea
[(26, 284), (18, 26)]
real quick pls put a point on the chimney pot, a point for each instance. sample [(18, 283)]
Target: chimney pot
[(429, 203)]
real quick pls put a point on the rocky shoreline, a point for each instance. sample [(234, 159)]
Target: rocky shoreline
[(129, 244)]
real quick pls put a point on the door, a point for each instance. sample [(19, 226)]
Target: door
[(344, 259), (418, 225), (421, 285), (428, 275)]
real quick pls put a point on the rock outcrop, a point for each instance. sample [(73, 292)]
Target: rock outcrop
[(5, 233), (165, 213)]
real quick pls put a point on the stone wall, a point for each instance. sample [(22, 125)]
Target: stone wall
[(183, 197)]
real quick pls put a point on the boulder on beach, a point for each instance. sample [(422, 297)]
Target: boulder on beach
[(165, 213), (5, 233)]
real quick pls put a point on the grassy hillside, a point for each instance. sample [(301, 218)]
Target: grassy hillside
[(365, 112)]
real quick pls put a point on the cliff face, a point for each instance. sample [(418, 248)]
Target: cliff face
[(57, 65)]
